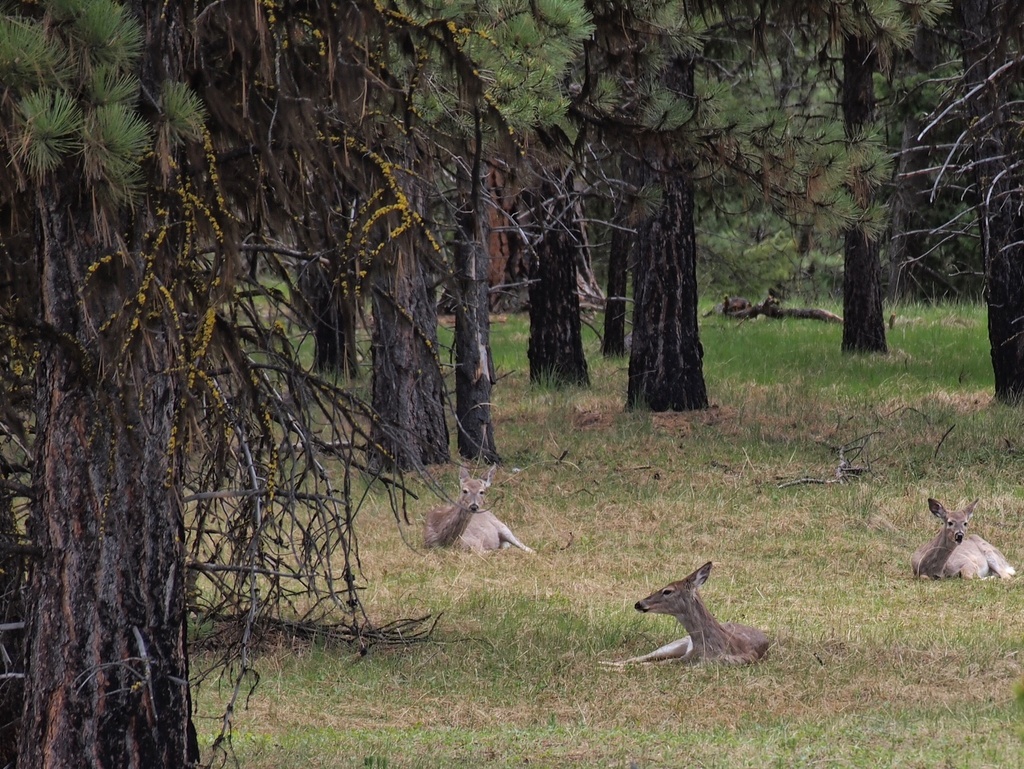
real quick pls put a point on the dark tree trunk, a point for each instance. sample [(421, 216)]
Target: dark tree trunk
[(556, 342), (107, 678), (107, 681), (508, 267), (907, 247), (12, 611), (474, 371), (864, 325), (333, 315), (997, 186), (905, 250), (666, 361), (614, 344), (408, 390)]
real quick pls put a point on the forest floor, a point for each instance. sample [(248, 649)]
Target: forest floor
[(868, 667)]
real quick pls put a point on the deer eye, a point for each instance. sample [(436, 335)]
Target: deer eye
[(950, 524), (667, 591)]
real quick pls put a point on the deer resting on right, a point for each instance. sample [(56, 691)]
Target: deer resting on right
[(955, 554), (709, 640)]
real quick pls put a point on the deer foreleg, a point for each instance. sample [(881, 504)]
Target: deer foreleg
[(677, 650)]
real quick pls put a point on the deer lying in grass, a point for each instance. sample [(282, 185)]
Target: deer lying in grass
[(708, 640), (955, 554), (467, 523)]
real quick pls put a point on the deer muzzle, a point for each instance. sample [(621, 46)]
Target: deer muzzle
[(641, 606)]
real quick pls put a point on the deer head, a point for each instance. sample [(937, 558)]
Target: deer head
[(672, 598), (955, 523), (472, 490)]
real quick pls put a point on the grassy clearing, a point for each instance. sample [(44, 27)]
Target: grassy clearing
[(868, 668)]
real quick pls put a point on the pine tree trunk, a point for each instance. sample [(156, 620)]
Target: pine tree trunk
[(107, 678), (666, 361), (12, 611), (907, 246), (334, 321), (474, 369), (508, 267), (614, 344), (556, 343), (998, 186), (107, 671), (407, 391), (863, 323)]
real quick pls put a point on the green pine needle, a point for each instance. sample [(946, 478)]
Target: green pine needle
[(183, 113), (114, 140), (109, 86), (110, 35), (27, 57), (50, 121)]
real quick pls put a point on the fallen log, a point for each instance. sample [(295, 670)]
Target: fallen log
[(730, 305), (771, 308)]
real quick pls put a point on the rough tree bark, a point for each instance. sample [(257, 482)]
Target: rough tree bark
[(12, 612), (907, 246), (107, 680), (107, 667), (408, 391), (997, 184), (333, 316), (864, 326), (474, 369), (556, 342), (614, 343), (666, 361), (508, 268)]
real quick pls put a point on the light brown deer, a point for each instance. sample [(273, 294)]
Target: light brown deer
[(709, 640), (467, 523), (955, 554)]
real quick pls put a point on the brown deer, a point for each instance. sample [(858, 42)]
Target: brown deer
[(708, 640), (731, 305), (467, 523), (955, 554)]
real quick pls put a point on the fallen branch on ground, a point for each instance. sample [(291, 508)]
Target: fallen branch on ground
[(771, 308)]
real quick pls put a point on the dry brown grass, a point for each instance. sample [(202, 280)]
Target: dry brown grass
[(618, 504)]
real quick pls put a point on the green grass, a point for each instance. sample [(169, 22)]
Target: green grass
[(868, 667)]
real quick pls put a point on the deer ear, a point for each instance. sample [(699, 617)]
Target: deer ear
[(701, 575), (463, 473), (490, 474), (969, 510), (937, 509)]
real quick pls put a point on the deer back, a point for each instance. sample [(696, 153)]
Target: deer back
[(976, 558)]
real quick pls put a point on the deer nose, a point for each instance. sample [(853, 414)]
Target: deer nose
[(959, 536), (640, 606), (474, 507)]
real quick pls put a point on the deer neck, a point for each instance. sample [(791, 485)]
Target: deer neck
[(706, 631), (451, 526), (938, 552)]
